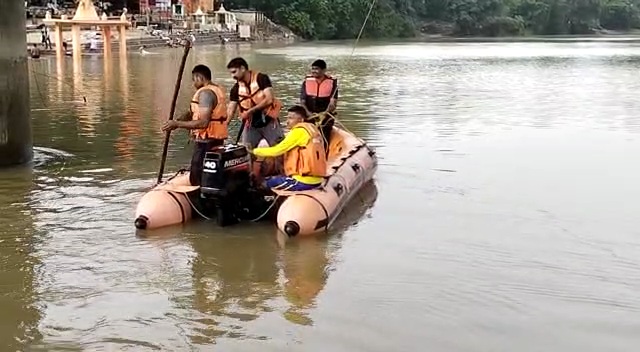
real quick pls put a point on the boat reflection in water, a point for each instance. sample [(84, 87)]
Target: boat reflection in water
[(242, 272), (307, 261)]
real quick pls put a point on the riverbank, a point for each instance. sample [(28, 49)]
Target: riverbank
[(529, 39), (138, 38), (436, 31)]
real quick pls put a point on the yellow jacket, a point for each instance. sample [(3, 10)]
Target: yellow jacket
[(297, 137)]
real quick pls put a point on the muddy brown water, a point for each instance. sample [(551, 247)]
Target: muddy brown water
[(503, 216)]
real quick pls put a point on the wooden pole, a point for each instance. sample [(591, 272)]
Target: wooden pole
[(176, 90)]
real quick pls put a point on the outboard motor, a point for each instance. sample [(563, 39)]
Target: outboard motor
[(225, 182)]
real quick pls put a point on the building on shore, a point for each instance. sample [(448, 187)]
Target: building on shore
[(155, 6), (160, 20), (192, 6), (177, 7)]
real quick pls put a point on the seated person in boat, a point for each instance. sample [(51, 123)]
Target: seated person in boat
[(206, 119), (319, 94), (305, 161)]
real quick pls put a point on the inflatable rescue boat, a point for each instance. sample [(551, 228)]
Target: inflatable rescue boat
[(226, 194)]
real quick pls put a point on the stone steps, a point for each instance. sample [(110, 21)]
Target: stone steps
[(154, 42)]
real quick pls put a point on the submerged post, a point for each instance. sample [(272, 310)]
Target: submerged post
[(77, 42), (106, 41), (59, 42), (122, 38), (15, 119)]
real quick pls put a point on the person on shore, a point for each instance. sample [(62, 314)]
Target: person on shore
[(305, 162), (93, 44), (65, 48), (206, 119), (253, 96), (143, 50), (46, 40), (319, 94)]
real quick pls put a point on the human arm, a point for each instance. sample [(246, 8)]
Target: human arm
[(231, 110), (333, 102), (232, 106), (303, 94), (207, 101), (297, 137)]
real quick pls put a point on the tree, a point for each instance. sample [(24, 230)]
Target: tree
[(341, 19)]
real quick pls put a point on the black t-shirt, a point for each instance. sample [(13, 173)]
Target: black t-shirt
[(264, 82)]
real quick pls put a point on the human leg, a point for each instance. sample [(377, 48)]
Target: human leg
[(197, 160), (200, 150), (251, 139), (284, 183), (273, 134)]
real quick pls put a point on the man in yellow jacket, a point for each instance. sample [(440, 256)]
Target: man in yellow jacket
[(305, 161)]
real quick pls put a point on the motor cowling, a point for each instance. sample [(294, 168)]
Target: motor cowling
[(226, 192), (225, 183), (225, 170)]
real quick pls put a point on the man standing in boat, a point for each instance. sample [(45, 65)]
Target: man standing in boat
[(253, 96), (206, 119), (319, 94), (305, 161)]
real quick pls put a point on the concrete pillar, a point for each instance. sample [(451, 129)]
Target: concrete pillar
[(15, 119), (122, 37), (107, 73), (77, 42), (59, 40), (106, 36), (60, 76), (124, 80), (107, 60)]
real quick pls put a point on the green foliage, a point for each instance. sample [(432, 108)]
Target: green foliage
[(342, 19), (620, 14)]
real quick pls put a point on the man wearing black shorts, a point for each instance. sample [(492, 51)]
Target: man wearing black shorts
[(253, 96)]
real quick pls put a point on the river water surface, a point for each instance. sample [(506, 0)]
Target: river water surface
[(503, 216)]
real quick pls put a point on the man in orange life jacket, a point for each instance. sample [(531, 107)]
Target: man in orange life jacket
[(253, 96), (305, 161), (206, 119), (319, 93)]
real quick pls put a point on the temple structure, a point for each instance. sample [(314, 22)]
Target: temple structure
[(192, 6), (86, 16)]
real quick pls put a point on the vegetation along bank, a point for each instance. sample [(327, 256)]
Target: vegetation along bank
[(342, 19)]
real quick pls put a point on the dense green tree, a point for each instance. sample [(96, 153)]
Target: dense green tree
[(341, 19)]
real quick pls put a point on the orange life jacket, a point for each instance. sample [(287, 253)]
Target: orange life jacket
[(318, 93), (309, 160), (217, 128), (252, 95)]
